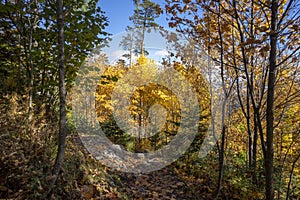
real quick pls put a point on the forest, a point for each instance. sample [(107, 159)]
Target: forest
[(205, 107)]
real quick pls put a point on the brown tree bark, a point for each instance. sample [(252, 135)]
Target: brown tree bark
[(269, 167), (62, 94)]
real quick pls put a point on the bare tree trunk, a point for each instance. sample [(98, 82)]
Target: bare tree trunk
[(248, 118), (291, 177), (32, 25), (143, 36), (62, 94), (131, 47), (31, 77), (226, 94), (254, 163), (269, 167)]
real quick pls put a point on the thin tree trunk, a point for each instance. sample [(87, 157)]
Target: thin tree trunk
[(222, 146), (221, 161), (62, 94), (131, 47), (143, 36), (32, 25), (250, 142), (291, 177), (254, 163), (19, 64), (269, 167), (31, 77)]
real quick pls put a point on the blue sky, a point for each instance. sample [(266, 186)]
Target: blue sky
[(118, 12)]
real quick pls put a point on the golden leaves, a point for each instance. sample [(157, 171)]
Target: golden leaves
[(186, 1), (264, 50)]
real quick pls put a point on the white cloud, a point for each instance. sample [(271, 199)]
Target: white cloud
[(117, 54), (161, 53)]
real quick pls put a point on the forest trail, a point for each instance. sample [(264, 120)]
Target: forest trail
[(162, 184), (168, 183)]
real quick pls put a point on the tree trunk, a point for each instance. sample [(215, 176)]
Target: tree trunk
[(254, 163), (269, 168), (226, 94), (62, 93), (131, 47), (143, 36), (31, 77), (291, 177), (250, 142)]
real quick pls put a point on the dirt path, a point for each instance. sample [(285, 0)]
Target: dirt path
[(163, 185)]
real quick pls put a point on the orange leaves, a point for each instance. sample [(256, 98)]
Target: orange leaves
[(186, 1), (295, 27), (172, 25), (264, 50), (88, 191), (185, 8), (162, 184), (251, 41)]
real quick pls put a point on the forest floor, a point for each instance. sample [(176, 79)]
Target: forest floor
[(27, 155), (168, 183), (26, 175), (164, 184)]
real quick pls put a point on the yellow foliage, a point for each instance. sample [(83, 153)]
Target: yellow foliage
[(143, 60)]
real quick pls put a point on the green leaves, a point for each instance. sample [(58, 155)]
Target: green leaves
[(143, 19)]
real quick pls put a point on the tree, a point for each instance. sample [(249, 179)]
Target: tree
[(29, 38), (143, 20), (269, 166), (34, 35), (62, 93), (128, 44), (252, 32), (62, 89)]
